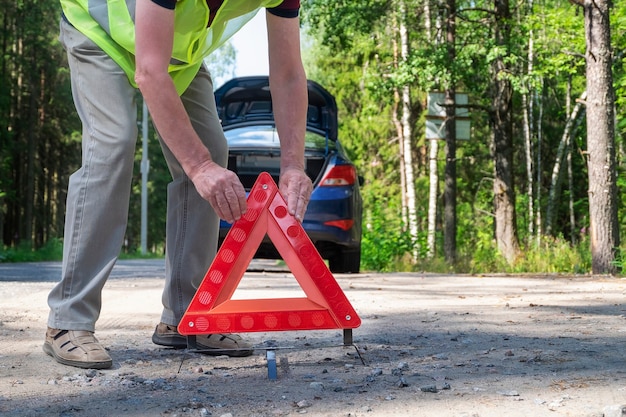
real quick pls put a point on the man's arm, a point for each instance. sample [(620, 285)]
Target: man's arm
[(154, 33), (289, 93)]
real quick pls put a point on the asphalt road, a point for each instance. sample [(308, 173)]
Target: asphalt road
[(51, 271), (134, 268)]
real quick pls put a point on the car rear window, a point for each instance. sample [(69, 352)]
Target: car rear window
[(267, 136)]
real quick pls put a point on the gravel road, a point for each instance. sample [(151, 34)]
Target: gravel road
[(429, 345)]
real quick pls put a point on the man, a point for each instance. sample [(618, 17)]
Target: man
[(158, 46)]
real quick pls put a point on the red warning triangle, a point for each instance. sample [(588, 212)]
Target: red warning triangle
[(325, 305)]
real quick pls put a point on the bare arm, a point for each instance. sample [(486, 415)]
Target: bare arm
[(154, 31), (289, 93)]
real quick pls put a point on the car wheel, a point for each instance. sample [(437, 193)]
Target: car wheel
[(346, 261)]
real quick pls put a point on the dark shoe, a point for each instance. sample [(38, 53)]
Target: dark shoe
[(78, 348), (210, 344)]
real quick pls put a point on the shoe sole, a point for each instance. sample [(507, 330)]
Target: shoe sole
[(180, 342), (48, 349)]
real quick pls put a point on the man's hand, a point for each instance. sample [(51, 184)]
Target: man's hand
[(296, 188), (222, 189)]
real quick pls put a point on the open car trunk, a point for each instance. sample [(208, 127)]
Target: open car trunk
[(248, 163)]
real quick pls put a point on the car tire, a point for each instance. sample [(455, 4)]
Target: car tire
[(346, 261)]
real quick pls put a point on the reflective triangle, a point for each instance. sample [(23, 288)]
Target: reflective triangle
[(213, 311)]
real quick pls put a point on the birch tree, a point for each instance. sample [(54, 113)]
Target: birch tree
[(407, 133), (555, 179)]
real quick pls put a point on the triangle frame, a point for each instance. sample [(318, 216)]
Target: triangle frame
[(213, 311)]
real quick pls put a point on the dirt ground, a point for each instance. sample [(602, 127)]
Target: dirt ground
[(429, 345)]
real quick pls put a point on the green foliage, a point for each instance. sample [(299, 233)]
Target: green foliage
[(353, 49), (384, 246), (554, 255), (221, 64), (52, 250), (341, 21)]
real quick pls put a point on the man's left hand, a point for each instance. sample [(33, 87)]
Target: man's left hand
[(296, 188)]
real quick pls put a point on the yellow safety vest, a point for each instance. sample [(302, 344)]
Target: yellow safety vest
[(110, 24)]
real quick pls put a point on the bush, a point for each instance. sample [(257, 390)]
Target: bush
[(384, 248), (51, 251)]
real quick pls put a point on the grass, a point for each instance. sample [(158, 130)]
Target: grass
[(53, 251), (552, 255)]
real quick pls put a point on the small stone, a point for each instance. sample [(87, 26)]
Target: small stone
[(511, 393), (376, 372), (303, 404), (429, 388), (317, 386)]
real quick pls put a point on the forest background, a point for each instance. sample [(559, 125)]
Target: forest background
[(538, 186)]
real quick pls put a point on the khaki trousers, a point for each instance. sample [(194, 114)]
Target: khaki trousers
[(98, 193)]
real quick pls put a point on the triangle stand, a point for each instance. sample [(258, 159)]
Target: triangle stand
[(325, 306)]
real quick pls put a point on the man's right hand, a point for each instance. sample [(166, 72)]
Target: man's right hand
[(222, 189)]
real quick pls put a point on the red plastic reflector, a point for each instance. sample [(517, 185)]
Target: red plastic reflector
[(342, 224), (339, 175), (212, 310)]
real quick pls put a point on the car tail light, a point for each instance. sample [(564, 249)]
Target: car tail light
[(342, 224), (339, 175)]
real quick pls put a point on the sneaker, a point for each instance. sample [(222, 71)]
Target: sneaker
[(210, 344), (78, 348)]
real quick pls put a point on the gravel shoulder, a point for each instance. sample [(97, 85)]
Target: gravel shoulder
[(429, 345)]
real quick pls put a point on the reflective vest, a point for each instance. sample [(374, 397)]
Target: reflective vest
[(110, 25)]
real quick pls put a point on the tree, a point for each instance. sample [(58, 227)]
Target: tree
[(407, 134), (450, 189), (37, 146), (502, 124), (604, 227), (221, 63)]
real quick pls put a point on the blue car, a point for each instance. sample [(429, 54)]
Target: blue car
[(334, 214)]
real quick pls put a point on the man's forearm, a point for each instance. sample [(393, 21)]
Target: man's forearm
[(290, 112)]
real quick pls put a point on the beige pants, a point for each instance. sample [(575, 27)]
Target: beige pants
[(98, 193)]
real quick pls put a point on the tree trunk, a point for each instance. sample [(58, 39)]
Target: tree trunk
[(502, 105), (604, 228), (556, 170), (527, 105), (570, 171), (539, 166), (407, 134), (398, 124), (433, 174), (449, 193), (432, 197)]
